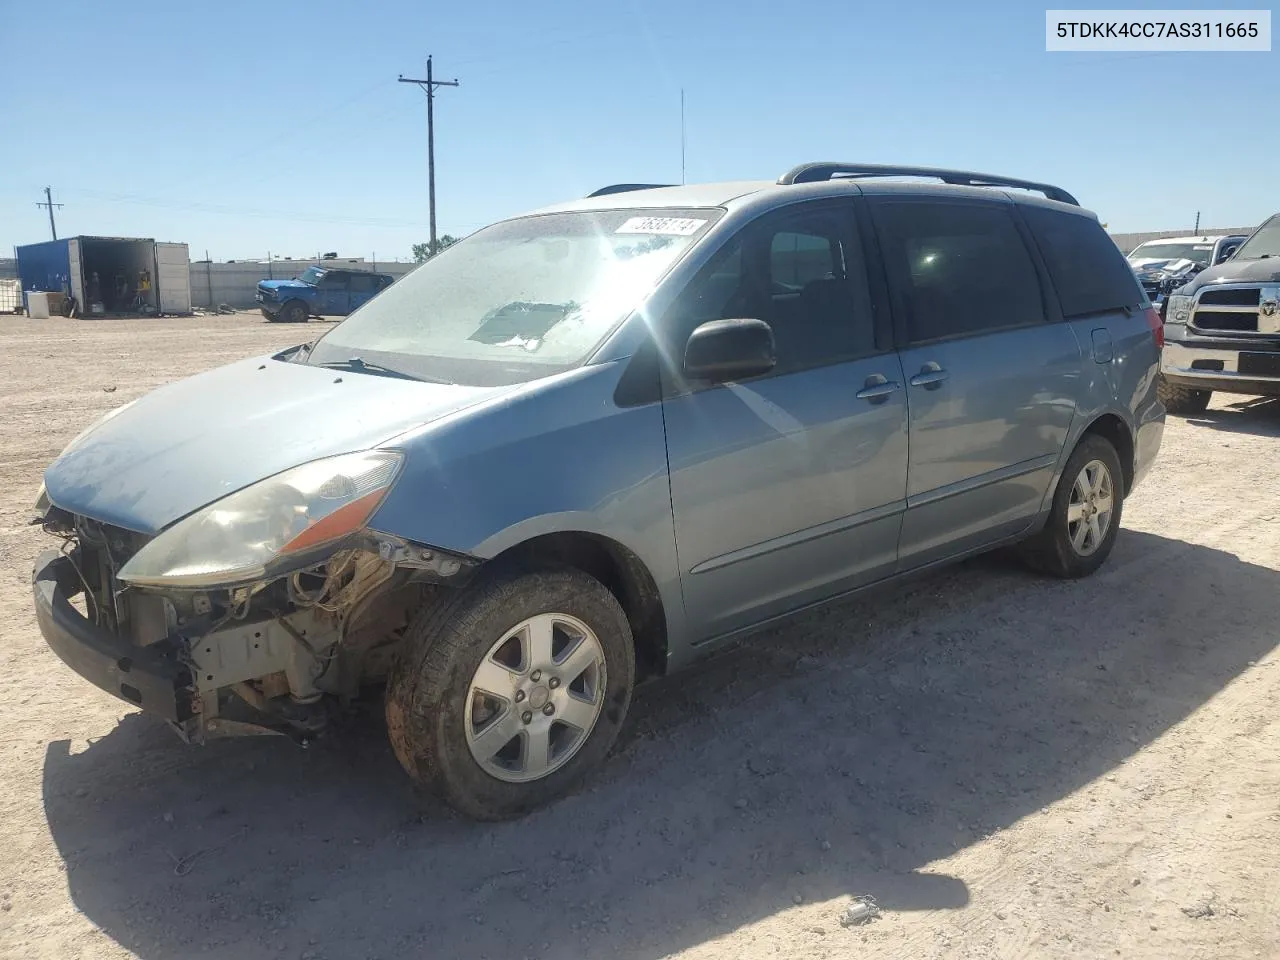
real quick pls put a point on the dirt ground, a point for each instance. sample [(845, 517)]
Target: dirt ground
[(1011, 766)]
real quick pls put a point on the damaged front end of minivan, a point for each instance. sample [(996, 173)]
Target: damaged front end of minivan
[(262, 612)]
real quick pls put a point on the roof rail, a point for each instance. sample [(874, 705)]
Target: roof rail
[(817, 172), (627, 188)]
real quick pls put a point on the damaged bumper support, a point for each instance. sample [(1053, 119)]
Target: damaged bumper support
[(148, 677), (264, 658), (180, 680)]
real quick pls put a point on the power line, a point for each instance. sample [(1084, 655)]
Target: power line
[(429, 87), (48, 202)]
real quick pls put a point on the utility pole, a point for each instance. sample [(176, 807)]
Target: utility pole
[(682, 136), (1197, 228), (428, 86), (48, 202)]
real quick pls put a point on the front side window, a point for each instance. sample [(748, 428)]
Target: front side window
[(799, 270), (1264, 243), (521, 299), (959, 268)]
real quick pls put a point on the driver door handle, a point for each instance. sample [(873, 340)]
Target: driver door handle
[(877, 388)]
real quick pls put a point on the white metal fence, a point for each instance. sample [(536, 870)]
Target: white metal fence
[(236, 283)]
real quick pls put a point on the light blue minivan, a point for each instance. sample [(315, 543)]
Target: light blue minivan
[(584, 446)]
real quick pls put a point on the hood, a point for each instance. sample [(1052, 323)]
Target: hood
[(1237, 271), (192, 442), (1165, 269), (1151, 264), (284, 285)]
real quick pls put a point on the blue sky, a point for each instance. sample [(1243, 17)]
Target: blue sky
[(244, 128)]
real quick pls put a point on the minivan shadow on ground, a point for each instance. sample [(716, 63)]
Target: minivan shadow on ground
[(841, 753), (1259, 416)]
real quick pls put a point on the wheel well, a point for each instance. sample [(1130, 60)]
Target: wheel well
[(623, 573), (1114, 430)]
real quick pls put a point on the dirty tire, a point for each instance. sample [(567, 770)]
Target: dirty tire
[(1182, 400), (295, 311), (1050, 551), (427, 691)]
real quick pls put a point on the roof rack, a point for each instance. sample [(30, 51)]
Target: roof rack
[(817, 172), (627, 188)]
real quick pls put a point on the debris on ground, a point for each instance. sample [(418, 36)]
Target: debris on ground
[(862, 910), (1200, 910)]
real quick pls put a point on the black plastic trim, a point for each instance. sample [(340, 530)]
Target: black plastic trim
[(148, 677), (826, 170)]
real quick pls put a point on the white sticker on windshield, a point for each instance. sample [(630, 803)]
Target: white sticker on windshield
[(667, 226)]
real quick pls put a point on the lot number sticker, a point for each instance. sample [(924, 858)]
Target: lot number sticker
[(665, 226)]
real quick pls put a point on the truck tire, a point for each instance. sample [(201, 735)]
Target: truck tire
[(295, 311), (508, 693), (1084, 518), (1183, 401)]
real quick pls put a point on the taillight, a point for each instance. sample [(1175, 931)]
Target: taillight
[(1156, 324)]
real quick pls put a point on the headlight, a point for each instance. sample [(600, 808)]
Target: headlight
[(42, 500), (1179, 309), (95, 425), (273, 526)]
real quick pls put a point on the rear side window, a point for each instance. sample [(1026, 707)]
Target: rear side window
[(1088, 270), (959, 268), (365, 283)]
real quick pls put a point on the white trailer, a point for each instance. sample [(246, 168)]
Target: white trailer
[(110, 274)]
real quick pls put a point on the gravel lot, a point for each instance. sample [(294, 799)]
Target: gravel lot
[(1012, 767)]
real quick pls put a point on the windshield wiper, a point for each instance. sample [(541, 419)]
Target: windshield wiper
[(357, 365)]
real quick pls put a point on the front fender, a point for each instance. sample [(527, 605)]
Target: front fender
[(558, 456)]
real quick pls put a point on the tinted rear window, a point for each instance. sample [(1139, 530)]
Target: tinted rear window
[(961, 267), (1086, 267)]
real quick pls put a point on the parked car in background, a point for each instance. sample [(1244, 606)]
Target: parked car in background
[(1166, 264), (1223, 328), (319, 292), (589, 445)]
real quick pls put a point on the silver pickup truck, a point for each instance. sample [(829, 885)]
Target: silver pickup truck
[(1222, 330)]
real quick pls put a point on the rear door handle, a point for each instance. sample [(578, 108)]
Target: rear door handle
[(877, 388), (931, 377)]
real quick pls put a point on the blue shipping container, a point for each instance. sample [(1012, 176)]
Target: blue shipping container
[(46, 266)]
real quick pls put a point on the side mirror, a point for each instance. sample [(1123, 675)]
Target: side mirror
[(1225, 254), (723, 350)]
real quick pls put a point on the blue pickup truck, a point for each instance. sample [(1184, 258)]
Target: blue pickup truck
[(319, 293)]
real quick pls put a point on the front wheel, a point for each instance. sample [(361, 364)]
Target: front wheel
[(1183, 401), (295, 311), (1085, 517), (508, 694)]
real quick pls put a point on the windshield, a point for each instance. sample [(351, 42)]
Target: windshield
[(1264, 243), (1199, 252), (312, 275), (519, 300)]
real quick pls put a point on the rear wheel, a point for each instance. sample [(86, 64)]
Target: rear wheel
[(1085, 517), (1182, 400), (505, 697)]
